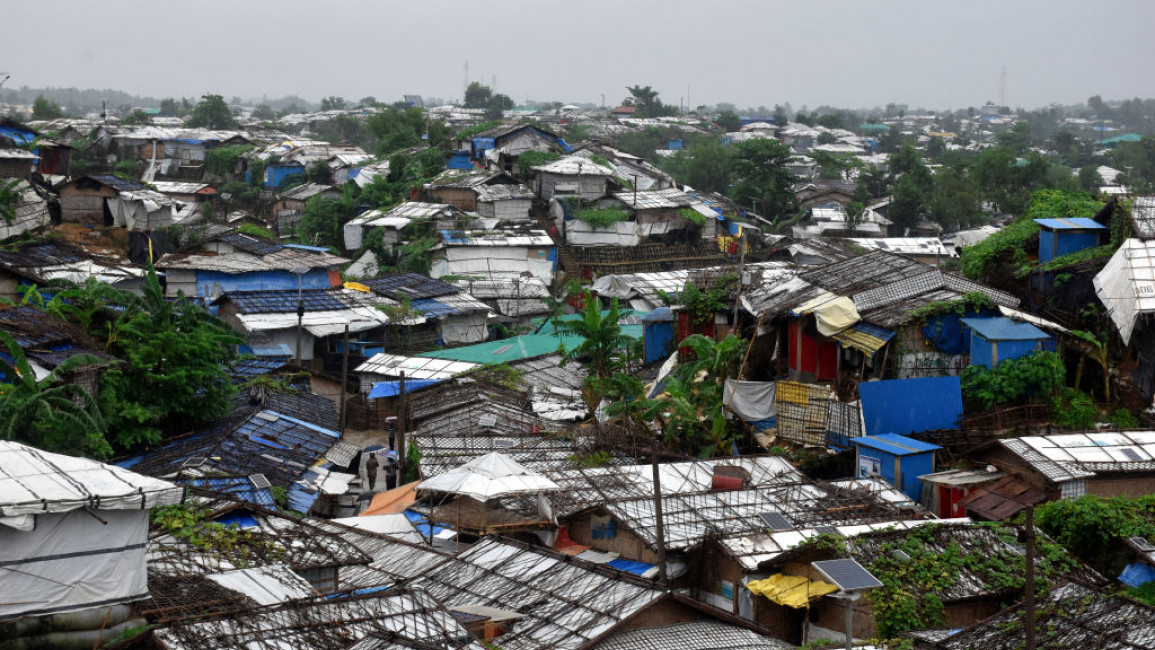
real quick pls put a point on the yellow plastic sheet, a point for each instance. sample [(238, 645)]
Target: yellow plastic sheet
[(792, 591)]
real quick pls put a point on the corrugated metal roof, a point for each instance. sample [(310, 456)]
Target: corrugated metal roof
[(1075, 223), (280, 301), (655, 199), (1003, 329), (895, 444)]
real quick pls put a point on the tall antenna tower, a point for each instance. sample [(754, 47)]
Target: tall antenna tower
[(465, 83), (493, 83), (1003, 87)]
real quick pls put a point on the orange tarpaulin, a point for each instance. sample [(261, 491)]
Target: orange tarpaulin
[(392, 502)]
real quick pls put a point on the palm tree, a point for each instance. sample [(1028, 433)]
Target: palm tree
[(1096, 348), (45, 412), (602, 338)]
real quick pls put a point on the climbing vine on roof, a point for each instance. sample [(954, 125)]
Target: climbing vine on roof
[(981, 261)]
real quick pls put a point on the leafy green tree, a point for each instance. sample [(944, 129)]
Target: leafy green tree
[(954, 202), (333, 103), (175, 372), (264, 113), (602, 338), (323, 222), (1017, 138), (169, 107), (728, 121), (1089, 179), (1138, 159), (46, 109), (477, 95), (645, 99), (47, 413), (400, 128), (760, 173), (212, 113), (935, 148), (1095, 346), (706, 165), (692, 412), (138, 116), (497, 105)]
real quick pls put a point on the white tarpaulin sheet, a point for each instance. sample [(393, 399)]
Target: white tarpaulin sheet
[(72, 561), (268, 585), (397, 525), (34, 482), (1126, 285), (487, 477), (462, 330), (832, 313), (753, 401), (623, 233)]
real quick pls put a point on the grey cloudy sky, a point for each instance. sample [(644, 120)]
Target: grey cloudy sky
[(850, 53)]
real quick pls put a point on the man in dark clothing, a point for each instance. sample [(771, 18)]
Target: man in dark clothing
[(371, 469)]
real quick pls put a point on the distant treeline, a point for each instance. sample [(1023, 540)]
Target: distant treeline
[(77, 101)]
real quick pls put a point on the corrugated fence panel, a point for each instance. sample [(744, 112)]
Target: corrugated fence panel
[(911, 405)]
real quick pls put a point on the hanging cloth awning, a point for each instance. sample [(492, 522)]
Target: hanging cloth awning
[(864, 337)]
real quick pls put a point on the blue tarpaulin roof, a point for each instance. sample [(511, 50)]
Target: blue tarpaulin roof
[(659, 315), (894, 444), (1137, 574), (392, 388), (630, 566), (911, 405), (1004, 329), (1076, 223), (242, 519)]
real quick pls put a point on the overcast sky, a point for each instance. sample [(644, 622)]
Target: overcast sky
[(847, 53)]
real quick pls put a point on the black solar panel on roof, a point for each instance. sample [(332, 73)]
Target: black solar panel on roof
[(847, 575), (410, 285), (1131, 453), (284, 301), (826, 530), (776, 520), (250, 244)]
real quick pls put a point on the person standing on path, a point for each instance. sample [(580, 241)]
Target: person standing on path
[(371, 466)]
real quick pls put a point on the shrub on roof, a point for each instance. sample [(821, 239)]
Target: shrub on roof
[(602, 218), (1007, 246)]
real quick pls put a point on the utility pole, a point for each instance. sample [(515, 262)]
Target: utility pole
[(741, 272), (1029, 601)]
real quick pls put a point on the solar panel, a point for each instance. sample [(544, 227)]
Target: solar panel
[(847, 575), (259, 481), (1142, 544), (487, 420), (1131, 453), (826, 530), (194, 461), (776, 520), (900, 555)]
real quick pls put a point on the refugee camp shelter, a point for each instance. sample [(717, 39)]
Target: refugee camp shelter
[(994, 340), (898, 459), (1059, 237), (72, 531)]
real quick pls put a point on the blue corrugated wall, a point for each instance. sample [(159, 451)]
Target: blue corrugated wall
[(911, 405), (659, 340)]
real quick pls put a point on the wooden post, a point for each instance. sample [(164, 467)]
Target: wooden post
[(661, 531), (1029, 601), (401, 424), (344, 376)]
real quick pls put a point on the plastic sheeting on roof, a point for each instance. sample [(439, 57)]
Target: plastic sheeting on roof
[(832, 313), (792, 591), (753, 401), (268, 585), (1126, 285), (34, 482), (489, 476), (393, 388), (394, 525)]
